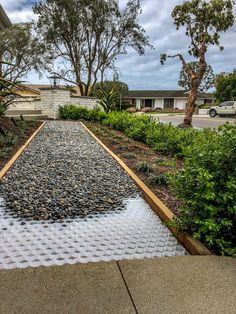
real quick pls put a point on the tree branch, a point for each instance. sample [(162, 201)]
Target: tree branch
[(187, 68)]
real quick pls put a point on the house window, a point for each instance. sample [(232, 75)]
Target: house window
[(169, 103), (148, 103)]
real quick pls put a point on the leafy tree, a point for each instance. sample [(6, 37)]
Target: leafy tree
[(108, 100), (203, 22), (225, 85), (87, 36), (206, 82), (22, 52), (8, 90), (116, 86)]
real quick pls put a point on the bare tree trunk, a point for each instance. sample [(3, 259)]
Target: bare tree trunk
[(81, 87), (190, 107)]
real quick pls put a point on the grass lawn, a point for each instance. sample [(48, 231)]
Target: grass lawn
[(150, 166)]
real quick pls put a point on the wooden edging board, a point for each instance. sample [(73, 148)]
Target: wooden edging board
[(193, 246), (19, 152)]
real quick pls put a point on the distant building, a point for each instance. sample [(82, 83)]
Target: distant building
[(4, 19), (165, 99)]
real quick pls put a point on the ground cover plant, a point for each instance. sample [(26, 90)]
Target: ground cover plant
[(141, 158), (203, 180)]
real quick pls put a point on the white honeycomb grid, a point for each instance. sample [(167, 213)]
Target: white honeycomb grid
[(134, 233)]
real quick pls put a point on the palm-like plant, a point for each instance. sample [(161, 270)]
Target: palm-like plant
[(108, 100)]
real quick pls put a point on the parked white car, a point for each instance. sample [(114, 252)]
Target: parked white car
[(225, 108)]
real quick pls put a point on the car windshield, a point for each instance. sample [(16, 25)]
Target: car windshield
[(227, 103)]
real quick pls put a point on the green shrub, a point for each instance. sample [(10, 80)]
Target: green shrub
[(157, 180), (207, 185), (144, 167), (10, 139), (73, 112), (118, 120), (171, 140), (165, 162), (101, 116), (137, 129), (129, 155), (207, 182), (162, 137)]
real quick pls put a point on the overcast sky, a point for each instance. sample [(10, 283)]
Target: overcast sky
[(146, 72)]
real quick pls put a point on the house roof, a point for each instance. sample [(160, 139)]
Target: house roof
[(4, 19), (36, 87), (165, 94)]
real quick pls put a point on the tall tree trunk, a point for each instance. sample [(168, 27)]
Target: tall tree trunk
[(190, 106), (81, 89)]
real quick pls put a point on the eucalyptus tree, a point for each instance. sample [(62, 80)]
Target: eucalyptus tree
[(21, 52), (206, 83), (203, 21), (87, 36)]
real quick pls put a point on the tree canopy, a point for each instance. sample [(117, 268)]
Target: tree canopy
[(225, 85), (88, 36), (206, 83), (203, 21), (21, 52)]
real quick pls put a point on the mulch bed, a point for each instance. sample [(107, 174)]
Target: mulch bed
[(135, 153), (17, 133)]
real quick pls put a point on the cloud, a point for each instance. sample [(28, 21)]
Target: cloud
[(146, 72), (18, 10)]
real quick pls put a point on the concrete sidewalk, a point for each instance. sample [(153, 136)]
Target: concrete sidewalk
[(178, 285)]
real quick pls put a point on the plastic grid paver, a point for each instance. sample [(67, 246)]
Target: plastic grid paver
[(134, 233)]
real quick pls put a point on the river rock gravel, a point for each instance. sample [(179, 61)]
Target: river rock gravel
[(65, 174)]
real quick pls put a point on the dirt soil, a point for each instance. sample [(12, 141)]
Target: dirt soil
[(135, 154), (13, 134)]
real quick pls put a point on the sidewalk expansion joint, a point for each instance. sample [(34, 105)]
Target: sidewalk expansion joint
[(127, 288)]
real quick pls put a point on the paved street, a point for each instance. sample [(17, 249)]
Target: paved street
[(198, 121)]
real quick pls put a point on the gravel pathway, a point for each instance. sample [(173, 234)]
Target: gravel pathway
[(65, 174), (67, 201)]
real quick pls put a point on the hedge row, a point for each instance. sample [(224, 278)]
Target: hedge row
[(207, 182), (162, 137)]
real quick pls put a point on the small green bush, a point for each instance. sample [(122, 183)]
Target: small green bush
[(144, 167), (157, 180), (137, 129), (129, 155), (207, 186), (73, 112), (165, 162), (10, 139)]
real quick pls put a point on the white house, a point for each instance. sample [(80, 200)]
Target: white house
[(165, 99)]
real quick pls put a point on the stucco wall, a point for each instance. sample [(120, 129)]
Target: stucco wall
[(24, 105), (159, 103), (88, 102), (51, 100), (180, 103)]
